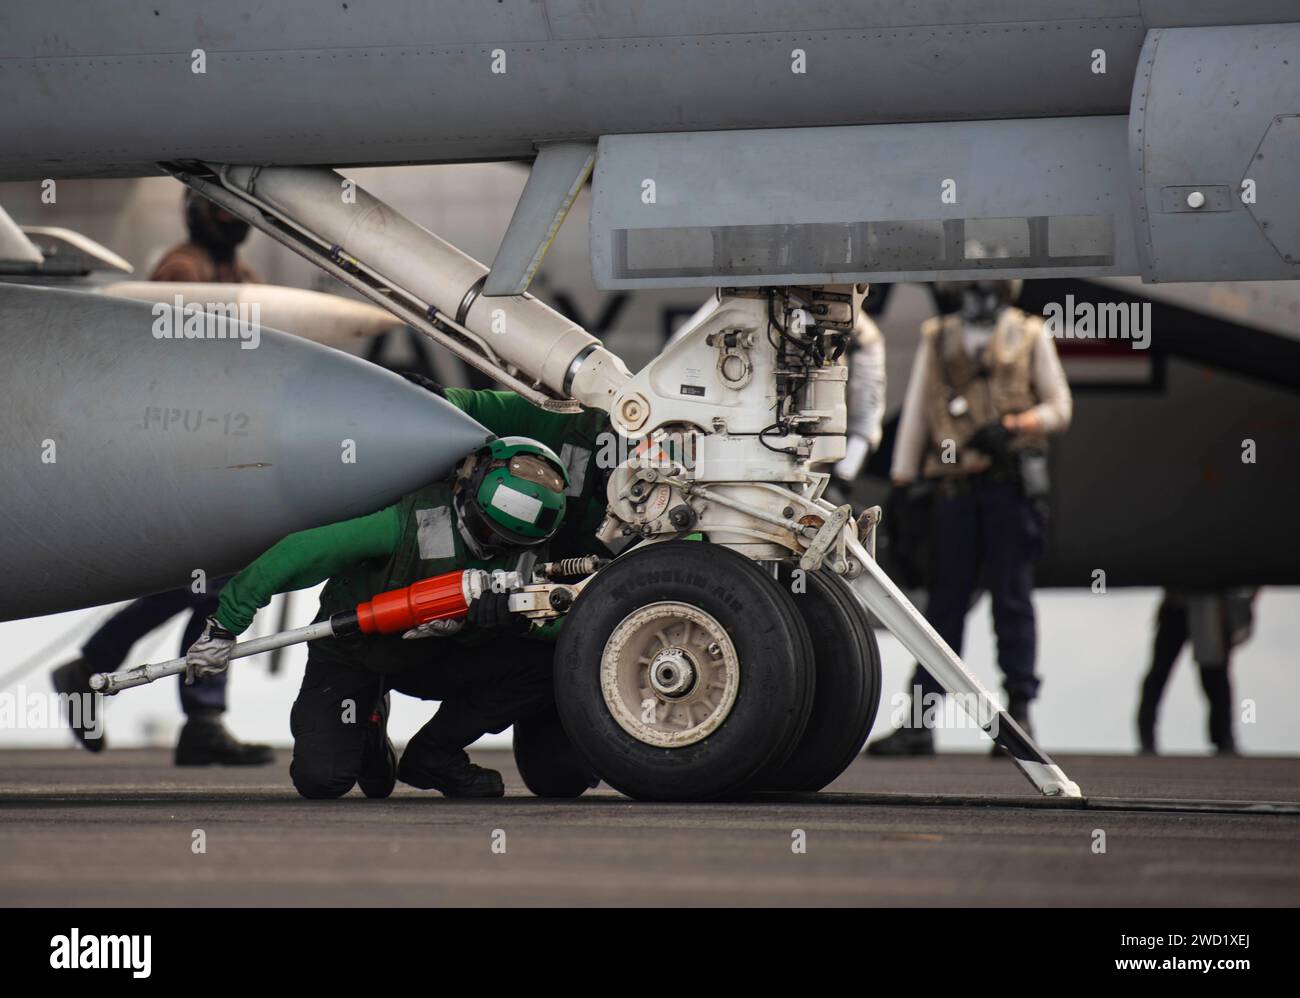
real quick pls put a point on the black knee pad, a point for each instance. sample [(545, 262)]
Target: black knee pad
[(319, 782), (328, 723)]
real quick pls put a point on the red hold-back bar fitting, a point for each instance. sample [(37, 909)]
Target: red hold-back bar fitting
[(439, 598)]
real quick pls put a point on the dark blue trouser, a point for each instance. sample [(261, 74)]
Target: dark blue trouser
[(108, 647), (993, 527)]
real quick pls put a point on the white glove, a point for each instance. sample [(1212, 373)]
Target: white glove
[(210, 654), (855, 455), (435, 629)]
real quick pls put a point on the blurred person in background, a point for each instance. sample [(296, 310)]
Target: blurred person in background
[(865, 397), (209, 256), (1216, 623), (985, 393)]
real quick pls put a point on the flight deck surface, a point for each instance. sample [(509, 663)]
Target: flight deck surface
[(120, 829)]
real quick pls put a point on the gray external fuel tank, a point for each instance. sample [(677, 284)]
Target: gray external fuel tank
[(130, 459)]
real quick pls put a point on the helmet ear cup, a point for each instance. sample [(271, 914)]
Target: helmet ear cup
[(477, 524), (469, 478)]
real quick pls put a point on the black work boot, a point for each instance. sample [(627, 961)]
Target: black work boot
[(449, 771), (378, 773), (1218, 690), (1148, 706), (1018, 708), (904, 742), (435, 760), (205, 741), (1146, 725), (1146, 735), (86, 721)]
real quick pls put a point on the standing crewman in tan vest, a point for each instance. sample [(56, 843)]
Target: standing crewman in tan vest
[(985, 393)]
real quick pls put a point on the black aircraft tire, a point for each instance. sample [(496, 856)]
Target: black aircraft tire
[(847, 694), (743, 646)]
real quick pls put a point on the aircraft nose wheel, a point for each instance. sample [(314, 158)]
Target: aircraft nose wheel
[(683, 672), (669, 674)]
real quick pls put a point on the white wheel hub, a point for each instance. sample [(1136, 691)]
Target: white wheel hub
[(669, 674)]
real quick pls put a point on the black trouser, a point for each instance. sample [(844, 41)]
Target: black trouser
[(483, 689), (108, 647), (990, 526), (1171, 634)]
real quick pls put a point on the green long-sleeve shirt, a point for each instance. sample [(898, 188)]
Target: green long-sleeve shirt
[(507, 414), (310, 557), (306, 559)]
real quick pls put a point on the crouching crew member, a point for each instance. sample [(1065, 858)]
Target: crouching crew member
[(503, 501)]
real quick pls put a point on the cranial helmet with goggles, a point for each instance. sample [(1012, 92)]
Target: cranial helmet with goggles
[(510, 492)]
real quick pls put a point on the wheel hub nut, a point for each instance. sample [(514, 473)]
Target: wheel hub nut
[(672, 674)]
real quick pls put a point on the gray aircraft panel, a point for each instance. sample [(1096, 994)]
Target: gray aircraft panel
[(94, 104), (664, 18), (1044, 195), (1211, 110), (1199, 13), (127, 461), (558, 175), (59, 28), (110, 91), (64, 30), (378, 83)]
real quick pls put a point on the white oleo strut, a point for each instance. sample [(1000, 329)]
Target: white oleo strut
[(520, 330)]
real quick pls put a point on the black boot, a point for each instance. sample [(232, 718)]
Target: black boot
[(434, 758), (904, 742), (1218, 690), (449, 771), (378, 773), (73, 680), (205, 741), (1146, 737), (1146, 721)]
